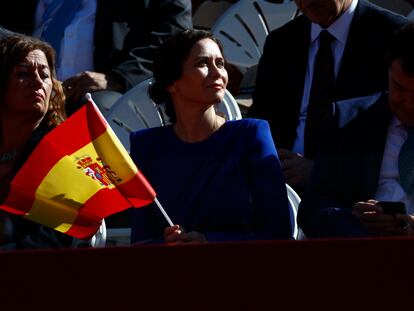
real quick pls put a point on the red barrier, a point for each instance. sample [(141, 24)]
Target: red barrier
[(363, 274)]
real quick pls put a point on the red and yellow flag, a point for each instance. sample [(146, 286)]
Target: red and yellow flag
[(78, 174)]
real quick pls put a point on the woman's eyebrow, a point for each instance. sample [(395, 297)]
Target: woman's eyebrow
[(27, 65)]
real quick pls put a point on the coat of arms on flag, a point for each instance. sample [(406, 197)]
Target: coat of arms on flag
[(98, 170)]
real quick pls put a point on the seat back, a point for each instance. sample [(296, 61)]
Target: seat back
[(410, 16), (98, 239), (244, 26), (229, 107), (135, 110), (294, 201)]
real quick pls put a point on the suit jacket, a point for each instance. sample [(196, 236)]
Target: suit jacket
[(126, 32), (347, 167), (281, 72)]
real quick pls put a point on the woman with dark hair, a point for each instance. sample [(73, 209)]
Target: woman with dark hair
[(220, 180), (31, 104)]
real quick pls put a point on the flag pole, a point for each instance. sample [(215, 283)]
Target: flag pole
[(163, 212), (89, 97)]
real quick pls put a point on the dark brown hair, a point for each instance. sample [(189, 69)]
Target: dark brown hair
[(168, 64), (402, 48)]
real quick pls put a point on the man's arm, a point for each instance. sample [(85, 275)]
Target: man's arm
[(163, 19), (125, 44)]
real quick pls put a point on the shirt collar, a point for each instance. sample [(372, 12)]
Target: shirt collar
[(340, 28), (395, 122)]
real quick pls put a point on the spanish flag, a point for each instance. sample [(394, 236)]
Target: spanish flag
[(78, 174)]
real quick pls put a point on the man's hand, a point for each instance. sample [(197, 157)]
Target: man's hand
[(88, 81), (376, 222), (295, 167)]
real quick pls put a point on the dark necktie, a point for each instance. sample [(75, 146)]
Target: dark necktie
[(56, 26), (320, 107), (406, 163)]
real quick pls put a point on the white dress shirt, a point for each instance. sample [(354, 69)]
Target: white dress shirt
[(389, 188), (77, 47), (339, 29)]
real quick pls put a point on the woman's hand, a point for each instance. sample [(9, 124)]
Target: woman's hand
[(172, 234), (176, 234), (376, 222)]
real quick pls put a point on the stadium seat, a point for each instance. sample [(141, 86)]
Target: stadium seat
[(243, 28), (294, 201)]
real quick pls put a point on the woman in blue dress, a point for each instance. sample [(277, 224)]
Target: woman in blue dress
[(220, 180)]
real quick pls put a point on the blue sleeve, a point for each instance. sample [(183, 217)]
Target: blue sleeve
[(269, 195), (271, 215)]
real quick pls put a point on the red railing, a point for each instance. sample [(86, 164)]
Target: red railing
[(363, 274)]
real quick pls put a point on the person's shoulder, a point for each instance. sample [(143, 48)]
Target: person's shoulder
[(249, 124), (296, 25), (384, 17)]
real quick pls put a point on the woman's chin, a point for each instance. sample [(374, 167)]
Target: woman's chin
[(219, 96), (38, 110)]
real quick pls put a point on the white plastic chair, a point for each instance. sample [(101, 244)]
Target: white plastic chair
[(294, 201), (229, 107), (243, 28), (98, 240), (135, 110), (118, 236), (410, 16)]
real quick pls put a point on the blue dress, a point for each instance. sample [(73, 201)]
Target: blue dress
[(230, 187)]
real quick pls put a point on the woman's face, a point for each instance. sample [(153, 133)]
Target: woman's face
[(29, 86), (204, 78)]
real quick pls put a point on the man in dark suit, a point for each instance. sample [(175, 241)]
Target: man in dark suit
[(361, 33), (126, 34), (366, 162)]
